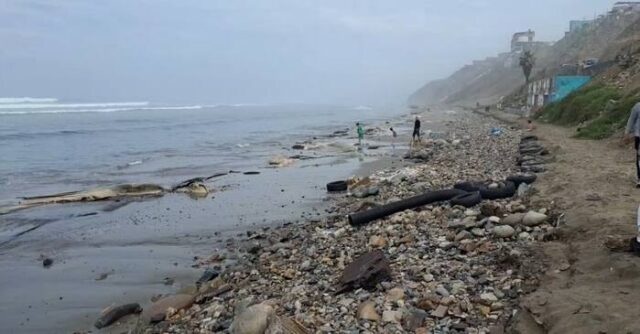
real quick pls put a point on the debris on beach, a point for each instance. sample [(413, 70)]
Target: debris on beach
[(435, 267)]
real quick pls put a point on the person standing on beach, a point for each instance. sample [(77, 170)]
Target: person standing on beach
[(394, 135), (416, 130), (632, 133), (360, 134)]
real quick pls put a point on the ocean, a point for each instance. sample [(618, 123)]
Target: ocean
[(50, 146)]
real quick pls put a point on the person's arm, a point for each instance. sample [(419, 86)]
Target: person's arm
[(633, 118)]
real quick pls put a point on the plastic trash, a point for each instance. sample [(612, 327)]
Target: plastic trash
[(496, 132)]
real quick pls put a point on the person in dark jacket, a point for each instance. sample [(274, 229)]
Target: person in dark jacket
[(416, 129), (632, 133)]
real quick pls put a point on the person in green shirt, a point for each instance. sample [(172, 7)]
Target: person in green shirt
[(360, 134)]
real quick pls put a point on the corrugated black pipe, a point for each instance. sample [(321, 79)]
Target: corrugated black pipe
[(361, 218)]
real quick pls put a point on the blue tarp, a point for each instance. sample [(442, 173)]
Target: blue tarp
[(565, 85)]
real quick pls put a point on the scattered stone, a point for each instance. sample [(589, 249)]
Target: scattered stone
[(47, 262), (377, 241), (367, 311), (395, 294), (504, 231), (414, 320), (514, 219), (533, 218), (392, 316), (158, 310), (440, 312), (253, 320)]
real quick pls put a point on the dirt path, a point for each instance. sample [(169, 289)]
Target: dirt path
[(587, 288)]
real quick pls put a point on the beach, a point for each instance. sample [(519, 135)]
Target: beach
[(451, 268), (145, 247)]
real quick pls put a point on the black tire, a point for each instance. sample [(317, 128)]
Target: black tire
[(337, 186), (505, 191), (467, 200), (529, 137), (522, 178), (467, 186), (532, 150)]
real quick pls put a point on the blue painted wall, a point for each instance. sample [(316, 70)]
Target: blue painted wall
[(565, 85)]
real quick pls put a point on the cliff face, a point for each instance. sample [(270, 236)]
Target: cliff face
[(485, 82), (479, 82)]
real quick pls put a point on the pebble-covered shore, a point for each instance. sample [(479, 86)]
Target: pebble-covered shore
[(452, 269)]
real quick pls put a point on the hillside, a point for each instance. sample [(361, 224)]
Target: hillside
[(486, 82)]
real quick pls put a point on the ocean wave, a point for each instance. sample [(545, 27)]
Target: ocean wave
[(71, 105), (102, 110), (15, 100)]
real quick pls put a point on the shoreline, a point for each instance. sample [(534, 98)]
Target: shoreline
[(86, 246), (308, 257)]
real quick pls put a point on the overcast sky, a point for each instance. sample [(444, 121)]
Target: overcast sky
[(239, 51)]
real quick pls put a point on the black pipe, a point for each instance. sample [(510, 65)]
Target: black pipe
[(361, 218)]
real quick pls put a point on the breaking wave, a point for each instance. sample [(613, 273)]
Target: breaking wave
[(98, 110), (14, 100)]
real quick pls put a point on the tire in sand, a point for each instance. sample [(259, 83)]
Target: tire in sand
[(337, 186), (467, 186), (467, 200), (502, 191), (522, 178)]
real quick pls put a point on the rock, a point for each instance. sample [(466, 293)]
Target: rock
[(525, 236), (298, 147), (158, 310), (442, 291), (392, 316), (514, 219), (367, 311), (503, 231), (253, 320), (462, 235), (489, 209), (523, 190), (414, 319), (421, 330), (484, 310), (113, 314), (47, 262), (478, 232), (377, 241), (494, 220), (533, 218), (488, 298), (426, 304), (440, 312), (366, 271), (395, 294)]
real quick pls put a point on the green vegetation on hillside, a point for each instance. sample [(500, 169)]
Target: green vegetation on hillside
[(600, 110)]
